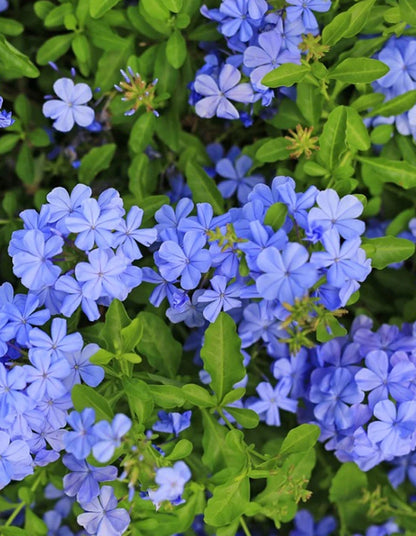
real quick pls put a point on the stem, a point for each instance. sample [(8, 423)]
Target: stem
[(18, 508), (227, 422), (244, 527)]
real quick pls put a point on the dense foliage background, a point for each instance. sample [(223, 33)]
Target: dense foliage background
[(238, 354)]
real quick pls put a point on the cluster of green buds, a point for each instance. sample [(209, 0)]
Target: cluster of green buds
[(227, 241), (137, 91)]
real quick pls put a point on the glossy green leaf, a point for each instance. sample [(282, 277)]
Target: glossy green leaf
[(228, 502), (332, 140), (99, 7), (387, 250), (173, 5), (276, 216), (358, 70), (273, 150), (203, 187), (13, 59), (176, 49), (246, 417), (53, 48), (300, 439), (395, 106), (401, 173), (335, 30), (96, 160), (285, 75), (88, 397), (357, 133), (408, 11), (198, 396), (359, 13), (222, 356), (182, 449), (162, 351)]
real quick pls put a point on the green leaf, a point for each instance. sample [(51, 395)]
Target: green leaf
[(102, 357), (182, 449), (369, 100), (151, 204), (213, 441), (131, 335), (8, 142), (10, 27), (56, 16), (228, 502), (203, 187), (395, 106), (246, 417), (408, 11), (25, 165), (387, 250), (13, 60), (176, 49), (82, 50), (358, 71), (142, 132), (167, 396), (96, 160), (300, 439), (116, 318), (233, 395), (139, 398), (310, 102), (39, 138), (33, 524), (359, 15), (357, 133), (273, 150), (198, 396), (335, 30), (99, 7), (162, 351), (54, 48), (347, 489), (173, 5), (276, 216), (401, 173), (285, 75), (155, 10), (88, 397), (400, 222), (332, 139), (109, 65), (381, 134), (222, 356), (13, 531)]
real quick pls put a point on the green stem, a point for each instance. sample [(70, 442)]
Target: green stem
[(21, 505), (244, 527), (227, 422)]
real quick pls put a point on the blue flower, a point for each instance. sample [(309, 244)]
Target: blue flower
[(400, 57), (59, 343), (83, 479), (217, 95), (15, 460), (239, 17), (82, 369), (383, 380), (271, 400), (80, 441), (45, 375), (171, 482), (220, 298), (71, 108), (287, 275), (305, 525), (235, 173), (108, 436), (172, 423), (395, 427), (336, 213), (187, 262), (102, 517), (128, 234), (33, 263), (265, 57), (303, 9), (5, 117)]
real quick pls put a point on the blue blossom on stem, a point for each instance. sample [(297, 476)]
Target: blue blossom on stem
[(70, 109), (216, 95)]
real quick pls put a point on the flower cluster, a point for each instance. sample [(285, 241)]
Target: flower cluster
[(259, 39), (207, 264), (399, 55), (360, 392), (79, 251)]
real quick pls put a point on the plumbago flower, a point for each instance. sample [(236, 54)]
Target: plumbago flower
[(71, 108), (218, 93)]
